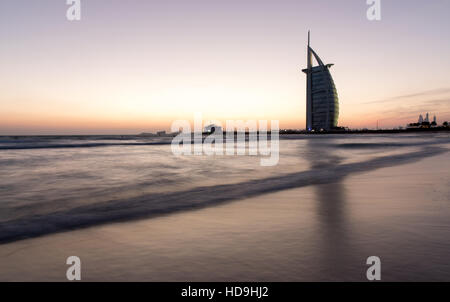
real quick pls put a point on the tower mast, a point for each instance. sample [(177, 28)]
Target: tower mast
[(308, 86)]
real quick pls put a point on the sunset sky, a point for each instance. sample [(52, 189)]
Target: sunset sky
[(134, 66)]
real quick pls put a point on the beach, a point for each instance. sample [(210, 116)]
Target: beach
[(316, 217)]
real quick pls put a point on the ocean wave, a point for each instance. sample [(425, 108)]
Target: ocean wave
[(387, 145), (154, 204), (74, 145), (52, 143)]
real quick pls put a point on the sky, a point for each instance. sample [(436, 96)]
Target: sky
[(136, 66)]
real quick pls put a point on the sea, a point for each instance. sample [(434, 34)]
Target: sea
[(331, 201)]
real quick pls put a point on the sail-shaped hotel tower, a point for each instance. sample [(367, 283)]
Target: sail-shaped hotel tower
[(322, 102)]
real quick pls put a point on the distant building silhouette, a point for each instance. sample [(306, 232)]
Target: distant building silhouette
[(424, 123), (322, 102), (420, 119)]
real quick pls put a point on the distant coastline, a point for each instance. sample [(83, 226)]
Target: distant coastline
[(367, 131), (282, 133)]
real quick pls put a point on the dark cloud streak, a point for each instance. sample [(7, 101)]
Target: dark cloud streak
[(433, 92)]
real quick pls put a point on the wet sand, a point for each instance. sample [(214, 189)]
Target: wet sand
[(314, 233)]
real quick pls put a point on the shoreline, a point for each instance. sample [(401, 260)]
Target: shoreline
[(320, 232), (154, 205)]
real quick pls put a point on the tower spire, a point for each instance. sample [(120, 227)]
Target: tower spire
[(308, 85), (308, 49), (308, 37)]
